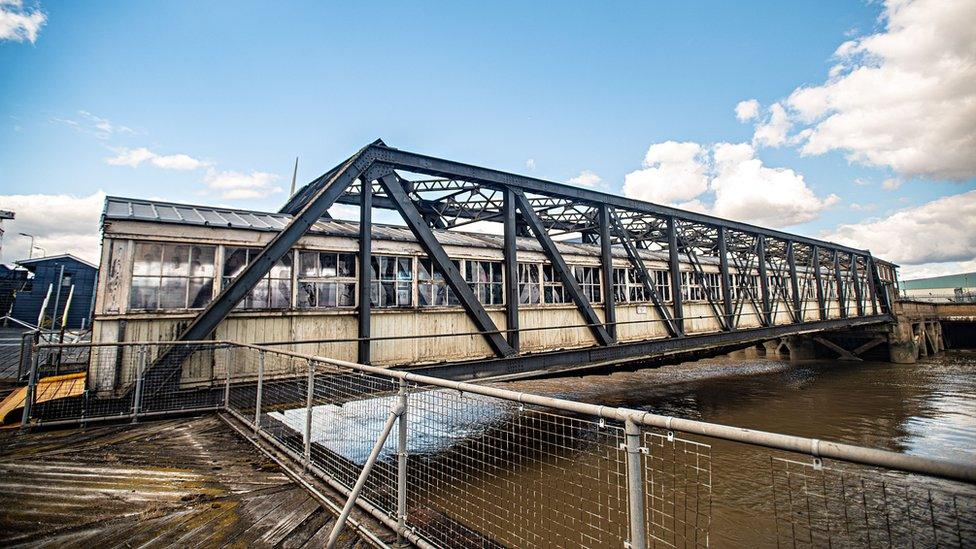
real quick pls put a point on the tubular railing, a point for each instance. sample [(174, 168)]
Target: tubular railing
[(447, 463)]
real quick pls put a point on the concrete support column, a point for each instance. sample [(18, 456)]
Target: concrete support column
[(801, 347), (772, 348), (902, 347), (923, 346)]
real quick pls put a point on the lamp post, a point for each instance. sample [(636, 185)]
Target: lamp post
[(30, 252)]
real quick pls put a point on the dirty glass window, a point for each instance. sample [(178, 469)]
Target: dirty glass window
[(588, 279), (695, 289), (432, 287), (391, 281), (171, 276), (326, 280), (528, 278), (485, 279), (552, 286), (273, 291)]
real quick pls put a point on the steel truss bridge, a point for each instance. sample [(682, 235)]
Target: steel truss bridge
[(432, 193)]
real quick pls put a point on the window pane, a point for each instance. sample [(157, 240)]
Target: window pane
[(280, 293), (201, 292), (329, 265), (424, 269), (346, 295), (176, 260), (202, 261), (172, 293), (282, 267), (235, 259), (307, 296), (308, 264), (389, 268), (404, 268), (258, 298), (327, 294), (388, 296), (347, 265), (144, 292), (147, 259), (425, 295), (374, 267), (404, 290)]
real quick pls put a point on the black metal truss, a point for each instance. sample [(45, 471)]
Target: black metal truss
[(433, 193)]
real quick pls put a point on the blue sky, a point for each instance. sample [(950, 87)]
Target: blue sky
[(239, 89)]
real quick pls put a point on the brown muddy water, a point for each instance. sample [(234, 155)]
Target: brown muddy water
[(926, 409)]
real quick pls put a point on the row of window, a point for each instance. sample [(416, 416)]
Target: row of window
[(180, 276)]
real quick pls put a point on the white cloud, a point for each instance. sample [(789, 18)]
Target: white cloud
[(673, 172), (741, 187), (96, 126), (940, 231), (860, 182), (908, 272), (869, 207), (239, 186), (891, 183), (19, 24), (747, 190), (530, 164), (772, 132), (60, 223), (136, 157), (747, 110), (587, 178), (903, 98)]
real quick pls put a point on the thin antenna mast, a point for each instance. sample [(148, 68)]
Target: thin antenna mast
[(294, 177)]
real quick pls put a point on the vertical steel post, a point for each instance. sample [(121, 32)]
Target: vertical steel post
[(402, 463), (31, 389), (511, 270), (872, 288), (839, 282), (309, 399), (226, 354), (794, 281), (260, 390), (858, 290), (675, 268), (635, 486), (606, 267), (137, 394), (821, 299), (767, 312), (57, 301), (365, 262), (723, 261)]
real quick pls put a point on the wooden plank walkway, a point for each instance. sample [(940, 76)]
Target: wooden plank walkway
[(180, 482)]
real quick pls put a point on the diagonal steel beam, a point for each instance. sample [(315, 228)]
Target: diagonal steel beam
[(794, 282), (435, 251), (565, 274), (642, 273)]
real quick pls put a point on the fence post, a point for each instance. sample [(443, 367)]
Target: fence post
[(635, 486), (227, 377), (137, 396), (307, 435), (257, 401), (402, 464), (31, 388)]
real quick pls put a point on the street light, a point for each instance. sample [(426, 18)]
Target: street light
[(30, 252)]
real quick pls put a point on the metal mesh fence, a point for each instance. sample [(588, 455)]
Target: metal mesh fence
[(816, 505), (496, 471)]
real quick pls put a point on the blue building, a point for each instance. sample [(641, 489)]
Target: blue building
[(47, 274)]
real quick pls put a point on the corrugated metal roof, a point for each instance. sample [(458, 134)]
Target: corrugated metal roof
[(186, 214)]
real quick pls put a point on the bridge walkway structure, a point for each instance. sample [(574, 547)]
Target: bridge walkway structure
[(705, 282)]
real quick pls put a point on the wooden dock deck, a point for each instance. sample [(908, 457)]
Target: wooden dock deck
[(187, 482)]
